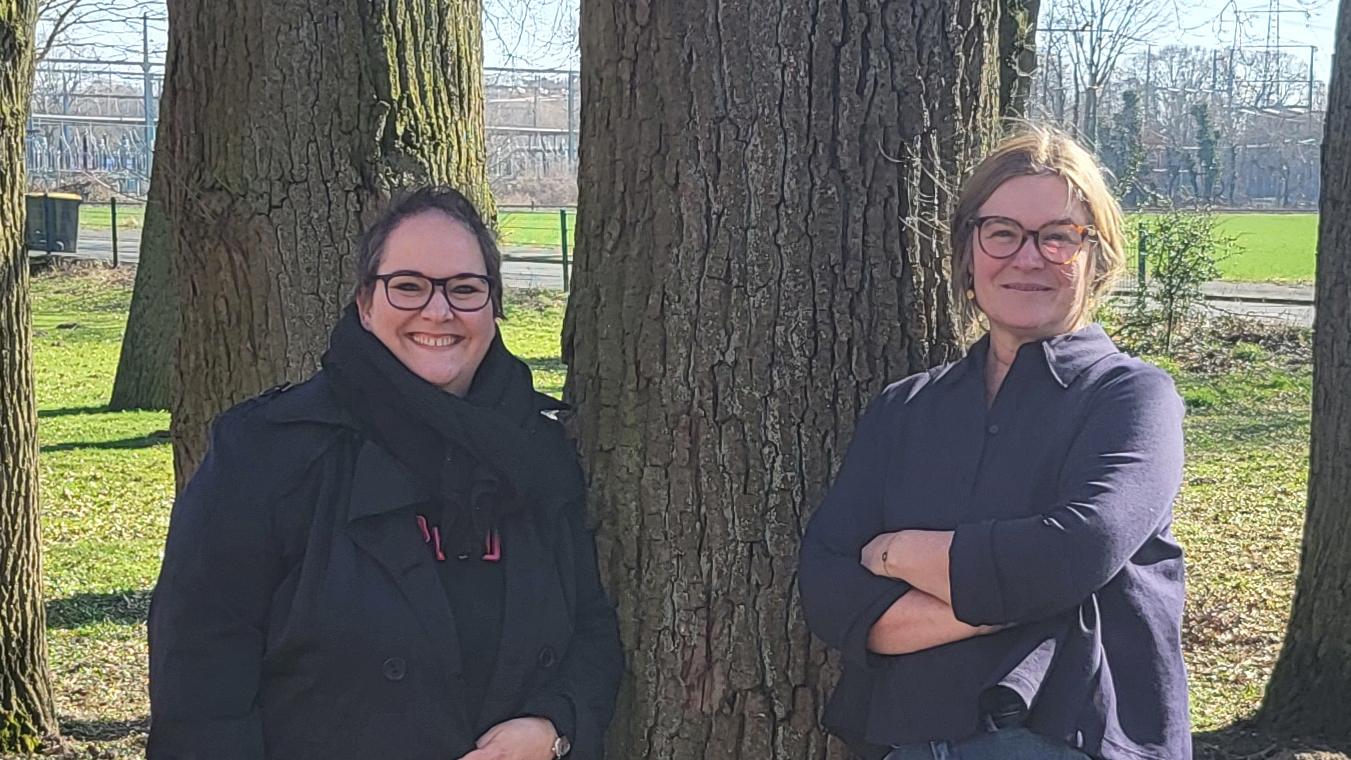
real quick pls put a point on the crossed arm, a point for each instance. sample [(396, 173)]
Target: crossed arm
[(923, 617), (937, 587)]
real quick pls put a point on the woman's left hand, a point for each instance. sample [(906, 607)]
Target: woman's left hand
[(918, 557), (516, 739), (878, 557)]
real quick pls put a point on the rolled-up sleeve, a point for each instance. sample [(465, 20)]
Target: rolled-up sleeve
[(1116, 491), (841, 599)]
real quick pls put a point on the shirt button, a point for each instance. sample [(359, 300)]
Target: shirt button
[(993, 430), (394, 669), (547, 658)]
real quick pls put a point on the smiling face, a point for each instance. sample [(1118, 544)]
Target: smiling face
[(438, 344), (1025, 297)]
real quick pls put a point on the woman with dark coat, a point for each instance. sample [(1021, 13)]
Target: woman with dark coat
[(389, 560), (995, 561)]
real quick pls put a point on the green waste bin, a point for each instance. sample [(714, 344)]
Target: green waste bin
[(53, 224)]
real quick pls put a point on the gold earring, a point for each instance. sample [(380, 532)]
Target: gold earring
[(970, 294)]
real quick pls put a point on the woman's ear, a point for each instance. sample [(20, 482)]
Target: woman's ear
[(364, 304)]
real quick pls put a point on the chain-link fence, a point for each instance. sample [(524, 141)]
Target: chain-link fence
[(92, 129)]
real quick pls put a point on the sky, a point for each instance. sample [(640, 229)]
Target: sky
[(542, 33), (1222, 23)]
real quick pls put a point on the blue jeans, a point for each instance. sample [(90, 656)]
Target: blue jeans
[(1008, 744)]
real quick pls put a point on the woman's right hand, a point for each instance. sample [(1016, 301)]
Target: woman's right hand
[(527, 738)]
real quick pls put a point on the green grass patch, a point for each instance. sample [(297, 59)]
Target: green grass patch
[(535, 229), (1271, 247), (100, 217), (1240, 515), (1279, 248), (107, 488)]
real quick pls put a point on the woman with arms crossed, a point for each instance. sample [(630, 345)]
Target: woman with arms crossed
[(994, 560)]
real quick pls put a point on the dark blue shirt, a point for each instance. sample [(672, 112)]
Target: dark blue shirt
[(1060, 495)]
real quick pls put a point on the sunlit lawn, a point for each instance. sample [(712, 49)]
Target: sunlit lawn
[(107, 486)]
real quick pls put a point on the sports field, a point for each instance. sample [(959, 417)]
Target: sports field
[(1268, 247), (1271, 247), (1277, 248)]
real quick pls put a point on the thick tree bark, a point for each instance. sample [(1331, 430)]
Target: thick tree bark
[(1310, 690), (26, 711), (1017, 55), (764, 190), (291, 122), (145, 369)]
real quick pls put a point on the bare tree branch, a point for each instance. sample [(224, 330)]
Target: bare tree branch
[(532, 32), (59, 12)]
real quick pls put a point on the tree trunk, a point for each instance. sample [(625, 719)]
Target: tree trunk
[(764, 188), (145, 369), (1310, 689), (26, 711), (1017, 55), (290, 123)]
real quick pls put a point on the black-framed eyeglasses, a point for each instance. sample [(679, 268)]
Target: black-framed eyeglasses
[(1058, 242), (412, 291)]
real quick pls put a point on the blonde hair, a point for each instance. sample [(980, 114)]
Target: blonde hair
[(1040, 150)]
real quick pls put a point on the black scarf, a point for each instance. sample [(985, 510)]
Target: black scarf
[(475, 456)]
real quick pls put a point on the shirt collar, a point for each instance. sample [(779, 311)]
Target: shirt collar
[(1066, 356), (1070, 354)]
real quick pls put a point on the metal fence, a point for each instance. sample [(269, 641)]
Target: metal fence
[(93, 125), (532, 117), (536, 243)]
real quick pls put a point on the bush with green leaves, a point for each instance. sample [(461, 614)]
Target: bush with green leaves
[(1183, 249)]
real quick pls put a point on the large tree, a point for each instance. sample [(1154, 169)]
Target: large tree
[(1310, 690), (145, 367), (764, 186), (289, 122), (26, 711)]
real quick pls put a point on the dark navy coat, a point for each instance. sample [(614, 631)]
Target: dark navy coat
[(299, 614), (1060, 498)]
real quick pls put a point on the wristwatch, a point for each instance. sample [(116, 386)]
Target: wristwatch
[(561, 747)]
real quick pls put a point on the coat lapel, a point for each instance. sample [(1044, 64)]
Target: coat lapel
[(381, 524), (528, 588)]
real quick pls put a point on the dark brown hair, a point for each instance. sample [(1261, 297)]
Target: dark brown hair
[(439, 198)]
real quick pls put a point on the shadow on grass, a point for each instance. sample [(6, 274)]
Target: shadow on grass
[(145, 441), (1247, 740), (125, 607), (103, 730), (1255, 425), (72, 410), (545, 363)]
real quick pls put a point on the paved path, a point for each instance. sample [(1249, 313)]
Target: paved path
[(1287, 303), (1284, 303)]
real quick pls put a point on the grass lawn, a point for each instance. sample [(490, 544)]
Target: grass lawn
[(532, 229), (1270, 247), (107, 486), (535, 229), (99, 216), (1277, 248)]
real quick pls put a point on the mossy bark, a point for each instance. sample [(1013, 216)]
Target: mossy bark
[(1310, 689), (290, 123), (26, 710), (145, 367)]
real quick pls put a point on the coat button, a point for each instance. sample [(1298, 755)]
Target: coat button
[(547, 658), (994, 430), (394, 669)]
